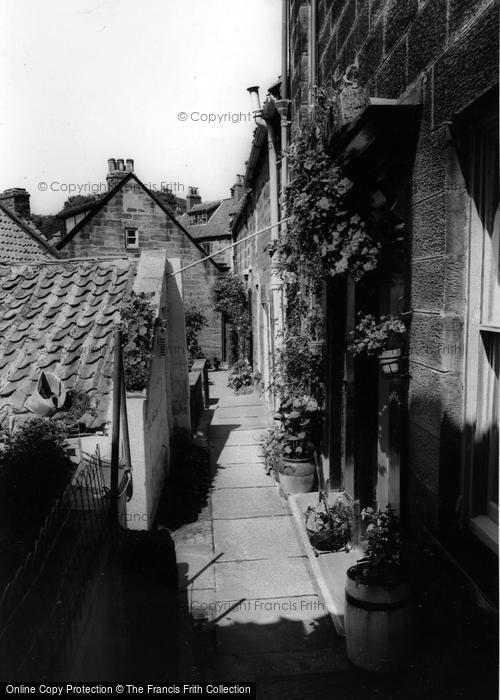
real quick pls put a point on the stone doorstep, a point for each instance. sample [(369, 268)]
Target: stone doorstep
[(328, 570)]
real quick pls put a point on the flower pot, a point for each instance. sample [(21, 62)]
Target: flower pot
[(378, 624), (297, 475), (390, 363)]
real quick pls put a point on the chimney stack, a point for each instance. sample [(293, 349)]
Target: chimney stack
[(238, 188), (192, 198), (117, 171), (17, 199)]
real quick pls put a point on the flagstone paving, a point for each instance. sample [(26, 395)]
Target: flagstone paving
[(242, 567), (250, 611)]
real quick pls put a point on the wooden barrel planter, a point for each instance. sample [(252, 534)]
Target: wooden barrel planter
[(378, 624), (297, 475)]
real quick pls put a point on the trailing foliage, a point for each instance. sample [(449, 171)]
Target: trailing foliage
[(229, 298), (34, 470), (138, 321), (325, 235), (370, 337), (195, 322)]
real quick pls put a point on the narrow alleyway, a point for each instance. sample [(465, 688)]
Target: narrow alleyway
[(242, 570), (249, 610)]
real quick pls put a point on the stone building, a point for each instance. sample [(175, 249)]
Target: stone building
[(131, 218), (209, 223), (19, 237), (418, 137)]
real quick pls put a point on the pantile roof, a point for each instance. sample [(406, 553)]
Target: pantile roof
[(59, 318), (217, 225), (20, 241)]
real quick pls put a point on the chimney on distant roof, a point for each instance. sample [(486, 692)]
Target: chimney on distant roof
[(117, 171), (192, 198), (238, 188), (17, 199)]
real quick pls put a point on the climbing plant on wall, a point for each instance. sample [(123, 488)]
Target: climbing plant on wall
[(325, 236), (195, 322), (138, 321), (229, 298)]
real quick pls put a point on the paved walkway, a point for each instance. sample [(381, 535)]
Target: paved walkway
[(242, 568), (250, 611)]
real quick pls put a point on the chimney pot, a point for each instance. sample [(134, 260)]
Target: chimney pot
[(111, 164), (130, 165), (17, 199), (192, 198), (120, 164)]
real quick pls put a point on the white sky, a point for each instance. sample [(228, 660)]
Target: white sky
[(86, 80)]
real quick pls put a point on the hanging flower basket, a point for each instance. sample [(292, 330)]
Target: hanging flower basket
[(390, 363)]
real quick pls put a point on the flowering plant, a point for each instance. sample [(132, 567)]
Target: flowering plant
[(370, 337), (299, 419), (382, 562)]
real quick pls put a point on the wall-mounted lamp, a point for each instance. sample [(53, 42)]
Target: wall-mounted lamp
[(255, 100)]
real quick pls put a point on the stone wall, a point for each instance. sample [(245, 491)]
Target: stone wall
[(451, 48), (251, 261), (132, 207)]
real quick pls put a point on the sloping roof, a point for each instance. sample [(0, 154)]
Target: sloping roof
[(205, 206), (109, 196), (218, 224), (19, 241), (59, 317)]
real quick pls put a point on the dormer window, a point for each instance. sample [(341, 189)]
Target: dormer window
[(131, 238)]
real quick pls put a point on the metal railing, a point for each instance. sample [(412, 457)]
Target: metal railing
[(42, 606)]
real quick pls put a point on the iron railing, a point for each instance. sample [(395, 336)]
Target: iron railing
[(43, 605)]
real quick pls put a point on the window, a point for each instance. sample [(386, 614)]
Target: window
[(131, 238), (483, 335)]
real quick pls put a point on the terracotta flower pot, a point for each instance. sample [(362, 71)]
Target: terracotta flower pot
[(297, 475), (378, 624)]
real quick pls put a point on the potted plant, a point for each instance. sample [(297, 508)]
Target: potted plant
[(329, 525), (240, 377), (380, 339), (379, 609), (298, 468), (272, 450)]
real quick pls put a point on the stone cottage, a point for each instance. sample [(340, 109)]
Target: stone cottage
[(415, 130), (131, 218), (57, 321)]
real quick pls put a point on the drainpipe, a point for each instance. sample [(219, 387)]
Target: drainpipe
[(314, 51), (115, 424)]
